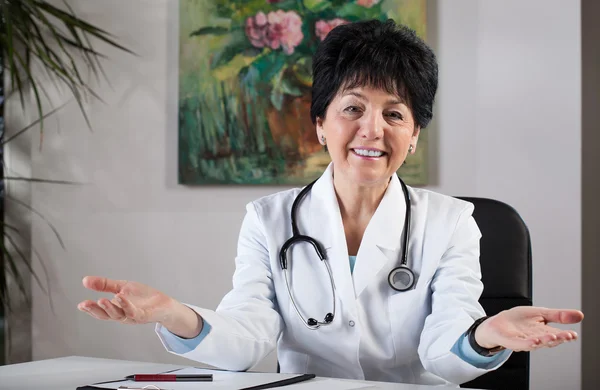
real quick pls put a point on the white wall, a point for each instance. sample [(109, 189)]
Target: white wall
[(507, 126), (509, 119)]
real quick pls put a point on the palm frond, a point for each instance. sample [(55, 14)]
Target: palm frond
[(28, 207), (50, 35), (35, 34)]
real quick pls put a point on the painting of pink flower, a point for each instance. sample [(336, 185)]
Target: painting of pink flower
[(323, 27), (367, 3), (278, 29)]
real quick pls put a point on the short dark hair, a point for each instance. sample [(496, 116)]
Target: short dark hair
[(378, 54)]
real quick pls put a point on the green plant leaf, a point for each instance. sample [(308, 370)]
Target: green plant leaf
[(36, 180), (210, 30), (28, 207), (288, 87), (42, 117), (22, 256), (269, 64), (237, 44), (317, 5), (302, 69), (277, 98), (353, 11)]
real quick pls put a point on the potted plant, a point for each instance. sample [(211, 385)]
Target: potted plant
[(34, 35)]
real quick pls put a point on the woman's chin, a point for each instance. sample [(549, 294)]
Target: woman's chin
[(370, 177)]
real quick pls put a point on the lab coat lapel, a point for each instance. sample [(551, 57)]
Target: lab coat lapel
[(382, 239), (327, 227)]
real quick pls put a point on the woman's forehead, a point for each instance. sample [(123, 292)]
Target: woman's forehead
[(367, 92)]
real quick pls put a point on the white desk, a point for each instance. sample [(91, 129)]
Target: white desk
[(69, 372)]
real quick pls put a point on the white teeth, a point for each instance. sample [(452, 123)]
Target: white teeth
[(368, 153)]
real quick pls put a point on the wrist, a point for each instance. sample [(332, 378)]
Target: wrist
[(481, 338), (182, 321), (482, 335)]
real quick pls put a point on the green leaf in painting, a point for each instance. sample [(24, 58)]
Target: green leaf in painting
[(317, 5), (276, 92), (288, 87), (277, 98), (353, 11), (269, 64), (210, 31), (302, 69), (237, 44)]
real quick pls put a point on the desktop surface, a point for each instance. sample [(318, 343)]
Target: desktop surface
[(68, 373)]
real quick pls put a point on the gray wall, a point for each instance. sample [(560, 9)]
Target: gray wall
[(508, 126), (590, 12)]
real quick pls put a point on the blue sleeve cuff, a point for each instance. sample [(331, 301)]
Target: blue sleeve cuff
[(180, 345), (463, 350)]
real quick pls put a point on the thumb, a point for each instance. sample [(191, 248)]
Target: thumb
[(98, 283), (562, 316)]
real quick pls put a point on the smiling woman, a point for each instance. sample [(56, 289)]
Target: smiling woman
[(383, 280)]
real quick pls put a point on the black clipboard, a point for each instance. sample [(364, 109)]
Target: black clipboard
[(269, 385)]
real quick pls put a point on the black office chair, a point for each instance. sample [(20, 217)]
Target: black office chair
[(505, 257)]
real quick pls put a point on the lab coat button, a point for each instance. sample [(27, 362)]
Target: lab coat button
[(351, 323)]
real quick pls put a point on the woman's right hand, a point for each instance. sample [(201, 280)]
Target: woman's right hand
[(132, 303), (136, 303)]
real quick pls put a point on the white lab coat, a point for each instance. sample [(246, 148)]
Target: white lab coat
[(378, 333)]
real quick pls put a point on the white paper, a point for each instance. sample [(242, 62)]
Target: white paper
[(221, 380), (329, 384)]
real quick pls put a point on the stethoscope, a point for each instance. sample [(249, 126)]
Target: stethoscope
[(400, 278)]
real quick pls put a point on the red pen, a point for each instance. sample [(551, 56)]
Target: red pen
[(170, 378)]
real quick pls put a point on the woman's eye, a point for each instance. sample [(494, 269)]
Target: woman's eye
[(352, 109), (395, 115)]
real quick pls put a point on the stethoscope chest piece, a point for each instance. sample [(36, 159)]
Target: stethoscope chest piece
[(401, 278)]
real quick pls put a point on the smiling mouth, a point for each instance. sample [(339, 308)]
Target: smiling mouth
[(368, 152)]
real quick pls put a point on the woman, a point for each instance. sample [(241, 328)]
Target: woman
[(360, 313)]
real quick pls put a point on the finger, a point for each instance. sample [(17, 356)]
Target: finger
[(560, 316), (113, 311), (128, 308), (574, 335), (553, 343), (99, 283), (555, 338), (95, 311)]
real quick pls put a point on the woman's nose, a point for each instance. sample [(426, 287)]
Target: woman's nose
[(372, 126)]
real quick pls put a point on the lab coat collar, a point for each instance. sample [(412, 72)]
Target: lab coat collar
[(380, 244), (382, 239)]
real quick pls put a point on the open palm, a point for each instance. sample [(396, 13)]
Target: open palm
[(526, 328), (133, 302)]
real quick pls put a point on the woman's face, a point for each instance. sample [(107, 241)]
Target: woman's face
[(368, 133)]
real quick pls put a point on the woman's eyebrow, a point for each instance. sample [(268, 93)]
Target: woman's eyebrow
[(394, 101), (357, 94)]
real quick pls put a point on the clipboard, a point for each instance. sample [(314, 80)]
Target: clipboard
[(166, 385)]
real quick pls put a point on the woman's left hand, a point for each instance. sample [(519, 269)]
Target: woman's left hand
[(525, 328)]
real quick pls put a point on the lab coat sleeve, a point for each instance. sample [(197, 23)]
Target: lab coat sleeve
[(246, 324), (456, 287)]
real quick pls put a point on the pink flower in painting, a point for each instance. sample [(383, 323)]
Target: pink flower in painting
[(367, 3), (285, 28), (256, 29), (322, 27), (275, 30)]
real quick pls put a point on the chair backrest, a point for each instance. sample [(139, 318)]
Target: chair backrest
[(505, 257)]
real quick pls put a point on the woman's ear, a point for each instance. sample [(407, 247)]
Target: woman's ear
[(319, 129), (415, 138)]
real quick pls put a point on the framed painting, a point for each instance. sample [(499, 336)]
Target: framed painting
[(244, 95)]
